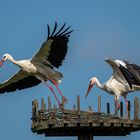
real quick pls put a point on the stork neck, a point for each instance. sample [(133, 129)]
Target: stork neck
[(13, 61), (98, 84)]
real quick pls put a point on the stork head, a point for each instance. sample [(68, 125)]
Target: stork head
[(92, 81), (5, 57)]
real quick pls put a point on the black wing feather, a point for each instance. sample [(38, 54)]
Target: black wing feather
[(60, 29), (131, 74), (27, 82), (126, 75), (48, 31), (55, 48), (55, 26), (59, 47), (61, 34)]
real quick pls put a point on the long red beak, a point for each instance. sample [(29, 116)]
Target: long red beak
[(1, 62), (89, 88)]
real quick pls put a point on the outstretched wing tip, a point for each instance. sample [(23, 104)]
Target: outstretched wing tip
[(60, 32), (54, 49)]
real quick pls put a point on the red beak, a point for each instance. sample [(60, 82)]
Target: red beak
[(89, 88), (1, 62)]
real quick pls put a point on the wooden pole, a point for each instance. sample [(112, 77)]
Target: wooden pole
[(33, 107), (99, 103), (78, 104), (128, 110), (49, 103), (36, 107), (108, 108), (121, 109), (136, 109)]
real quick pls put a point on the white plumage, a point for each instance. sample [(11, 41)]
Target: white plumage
[(41, 67), (125, 79)]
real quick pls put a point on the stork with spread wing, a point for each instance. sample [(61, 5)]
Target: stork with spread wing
[(41, 67)]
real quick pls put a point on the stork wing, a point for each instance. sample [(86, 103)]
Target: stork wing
[(20, 80), (54, 49), (131, 73), (116, 71)]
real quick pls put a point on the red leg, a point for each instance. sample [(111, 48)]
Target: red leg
[(118, 106), (51, 89), (126, 101), (56, 85)]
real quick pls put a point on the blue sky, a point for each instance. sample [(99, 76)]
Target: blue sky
[(101, 29)]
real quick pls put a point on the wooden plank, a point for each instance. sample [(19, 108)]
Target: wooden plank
[(121, 109), (136, 109), (49, 103), (108, 108), (99, 103), (78, 104), (56, 121), (129, 107), (36, 108), (33, 107)]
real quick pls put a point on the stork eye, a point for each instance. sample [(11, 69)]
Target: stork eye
[(4, 57)]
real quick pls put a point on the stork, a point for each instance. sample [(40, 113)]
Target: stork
[(125, 79), (41, 68)]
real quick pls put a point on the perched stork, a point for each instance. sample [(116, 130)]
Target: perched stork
[(41, 67), (125, 79)]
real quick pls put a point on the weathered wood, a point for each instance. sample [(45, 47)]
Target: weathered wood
[(121, 109), (136, 109), (78, 104), (129, 107), (49, 103), (76, 122), (108, 108), (99, 103), (33, 107), (36, 107)]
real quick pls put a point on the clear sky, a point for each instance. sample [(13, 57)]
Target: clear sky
[(102, 28)]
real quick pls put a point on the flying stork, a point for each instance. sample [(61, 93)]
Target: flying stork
[(125, 79), (41, 68)]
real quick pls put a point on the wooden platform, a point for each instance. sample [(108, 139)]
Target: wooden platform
[(54, 121)]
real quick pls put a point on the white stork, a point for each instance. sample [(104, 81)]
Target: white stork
[(41, 67), (125, 79)]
